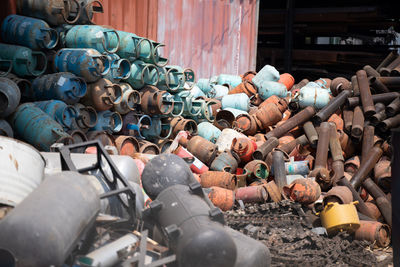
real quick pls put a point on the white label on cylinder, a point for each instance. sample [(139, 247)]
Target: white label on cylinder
[(197, 163), (99, 34), (61, 81)]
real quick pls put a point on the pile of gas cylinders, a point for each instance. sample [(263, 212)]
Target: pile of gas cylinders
[(198, 147)]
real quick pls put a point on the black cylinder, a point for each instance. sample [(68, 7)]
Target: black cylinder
[(164, 171), (193, 227), (46, 226), (250, 252)]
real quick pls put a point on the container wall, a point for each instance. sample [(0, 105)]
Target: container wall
[(137, 16), (210, 36)]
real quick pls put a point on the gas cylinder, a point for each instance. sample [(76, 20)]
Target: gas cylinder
[(84, 62), (30, 32)]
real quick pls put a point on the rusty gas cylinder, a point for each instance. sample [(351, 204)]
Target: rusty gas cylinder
[(127, 145), (305, 191), (216, 178), (244, 148), (203, 149), (374, 232), (252, 194), (222, 198)]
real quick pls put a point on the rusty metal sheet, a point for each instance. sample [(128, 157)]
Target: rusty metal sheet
[(210, 36), (137, 16)]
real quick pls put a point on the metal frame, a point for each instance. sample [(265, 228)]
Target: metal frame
[(127, 189)]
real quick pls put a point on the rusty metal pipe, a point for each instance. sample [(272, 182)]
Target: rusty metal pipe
[(354, 83), (358, 123), (338, 171), (386, 70), (365, 94), (378, 85), (339, 84), (377, 118), (334, 144), (367, 141), (366, 166), (388, 59), (379, 107), (320, 172), (262, 152), (348, 120), (361, 207), (298, 119), (395, 72), (371, 71), (384, 98), (311, 133), (384, 205), (278, 161), (299, 85), (333, 105), (389, 123), (393, 83), (393, 108), (289, 147)]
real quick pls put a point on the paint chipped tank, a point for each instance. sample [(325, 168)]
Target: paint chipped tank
[(21, 170), (84, 62), (313, 95)]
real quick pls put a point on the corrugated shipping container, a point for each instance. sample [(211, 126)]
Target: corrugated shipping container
[(209, 36)]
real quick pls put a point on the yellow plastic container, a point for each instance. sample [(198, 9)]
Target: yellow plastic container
[(340, 217)]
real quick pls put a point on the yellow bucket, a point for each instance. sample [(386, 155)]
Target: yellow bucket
[(340, 217)]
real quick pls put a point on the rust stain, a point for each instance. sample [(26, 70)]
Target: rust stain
[(14, 161)]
